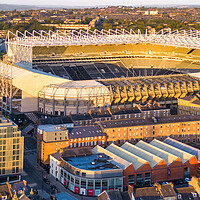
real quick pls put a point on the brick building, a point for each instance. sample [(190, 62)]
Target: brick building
[(89, 172), (189, 105), (136, 112), (184, 128), (52, 138)]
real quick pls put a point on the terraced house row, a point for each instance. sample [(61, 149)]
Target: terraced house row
[(184, 128), (52, 138)]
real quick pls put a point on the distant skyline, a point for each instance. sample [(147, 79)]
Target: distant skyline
[(90, 3)]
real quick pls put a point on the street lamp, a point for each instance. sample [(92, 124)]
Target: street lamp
[(42, 180)]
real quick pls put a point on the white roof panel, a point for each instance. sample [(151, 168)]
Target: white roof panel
[(151, 158), (183, 147), (116, 160), (135, 160), (184, 156), (169, 158)]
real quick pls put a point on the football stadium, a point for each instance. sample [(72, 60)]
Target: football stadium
[(63, 72)]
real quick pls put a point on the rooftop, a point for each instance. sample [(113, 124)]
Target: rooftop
[(180, 38), (135, 160), (123, 111), (78, 117), (100, 113), (93, 162), (151, 158), (53, 128), (55, 120), (147, 193), (187, 193), (184, 156), (168, 191), (149, 121), (169, 158), (120, 162), (184, 147), (85, 131)]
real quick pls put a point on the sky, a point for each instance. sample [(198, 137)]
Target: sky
[(101, 2)]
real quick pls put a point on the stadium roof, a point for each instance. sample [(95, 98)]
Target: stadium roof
[(183, 147), (181, 38)]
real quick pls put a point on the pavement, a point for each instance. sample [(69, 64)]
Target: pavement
[(33, 174)]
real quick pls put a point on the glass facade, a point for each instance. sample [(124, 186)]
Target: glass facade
[(88, 186)]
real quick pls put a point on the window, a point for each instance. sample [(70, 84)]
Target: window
[(139, 178), (83, 174), (148, 177), (131, 179), (90, 183), (97, 183), (77, 180)]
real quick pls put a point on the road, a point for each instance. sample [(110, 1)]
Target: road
[(33, 174)]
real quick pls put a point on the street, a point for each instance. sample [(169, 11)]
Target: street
[(33, 174)]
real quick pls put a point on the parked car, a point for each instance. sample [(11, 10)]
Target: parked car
[(187, 180), (164, 183), (46, 180), (53, 187)]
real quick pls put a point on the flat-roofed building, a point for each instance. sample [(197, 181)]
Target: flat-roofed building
[(11, 151), (85, 172)]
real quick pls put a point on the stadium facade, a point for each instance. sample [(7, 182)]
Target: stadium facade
[(76, 71)]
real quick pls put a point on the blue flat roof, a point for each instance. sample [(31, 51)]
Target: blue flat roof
[(94, 162)]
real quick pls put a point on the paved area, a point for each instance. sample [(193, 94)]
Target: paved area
[(30, 143), (65, 196), (33, 174)]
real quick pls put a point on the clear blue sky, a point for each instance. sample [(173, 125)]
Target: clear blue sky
[(101, 2)]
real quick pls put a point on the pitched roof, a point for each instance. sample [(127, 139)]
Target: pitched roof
[(183, 147), (120, 162), (147, 193), (149, 121), (86, 131), (4, 191), (187, 193), (135, 160), (184, 156), (168, 191), (151, 158), (169, 158)]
